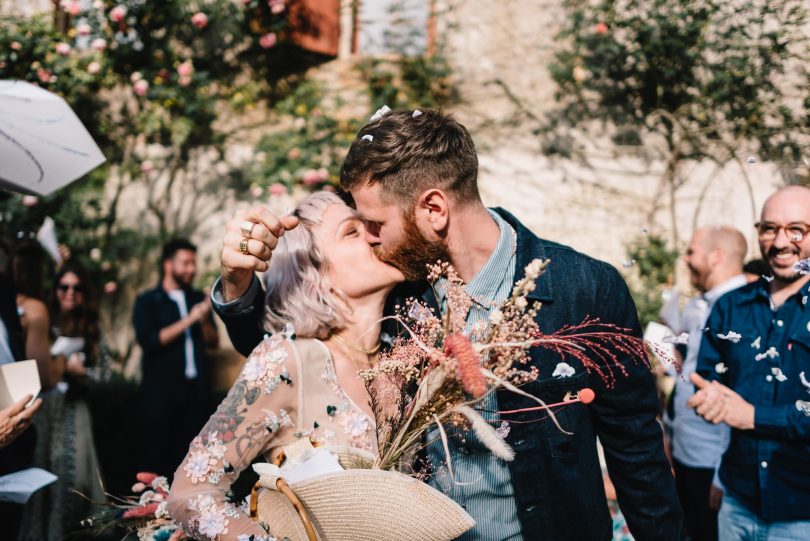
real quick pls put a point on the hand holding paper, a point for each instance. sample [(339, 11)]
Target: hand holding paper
[(16, 418)]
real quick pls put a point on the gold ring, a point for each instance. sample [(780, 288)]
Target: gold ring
[(243, 246), (247, 228)]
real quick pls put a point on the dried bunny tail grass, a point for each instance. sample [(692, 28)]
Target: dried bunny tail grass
[(468, 364), (487, 434)]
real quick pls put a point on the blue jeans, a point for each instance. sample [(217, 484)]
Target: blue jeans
[(738, 523)]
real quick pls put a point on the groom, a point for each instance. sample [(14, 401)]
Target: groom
[(413, 178)]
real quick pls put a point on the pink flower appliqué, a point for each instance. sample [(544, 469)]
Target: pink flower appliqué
[(198, 465)]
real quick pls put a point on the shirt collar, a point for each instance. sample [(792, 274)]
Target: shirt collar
[(721, 289), (486, 283), (760, 290)]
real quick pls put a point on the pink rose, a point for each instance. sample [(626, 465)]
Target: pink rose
[(15, 45), (601, 28), (30, 201), (140, 87), (110, 287), (276, 6), (72, 8), (200, 20), (311, 177), (99, 44), (44, 75), (277, 189), (84, 29), (256, 191), (118, 13), (135, 76), (294, 153), (267, 40), (93, 68), (63, 48), (185, 69)]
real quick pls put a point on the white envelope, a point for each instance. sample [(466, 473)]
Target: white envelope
[(17, 380), (17, 487)]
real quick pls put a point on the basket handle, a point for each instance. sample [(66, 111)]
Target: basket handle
[(284, 488)]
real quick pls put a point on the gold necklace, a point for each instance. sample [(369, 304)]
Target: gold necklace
[(358, 349), (344, 347)]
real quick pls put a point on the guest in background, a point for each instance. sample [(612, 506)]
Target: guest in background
[(714, 259), (173, 326), (752, 376)]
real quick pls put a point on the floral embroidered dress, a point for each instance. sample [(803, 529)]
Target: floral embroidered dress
[(287, 389)]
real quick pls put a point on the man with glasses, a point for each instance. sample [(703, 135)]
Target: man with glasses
[(753, 375)]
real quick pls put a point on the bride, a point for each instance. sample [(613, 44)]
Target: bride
[(326, 282)]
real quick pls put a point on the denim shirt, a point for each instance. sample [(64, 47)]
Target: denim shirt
[(767, 468)]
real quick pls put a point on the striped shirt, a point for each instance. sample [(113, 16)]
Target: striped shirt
[(483, 484)]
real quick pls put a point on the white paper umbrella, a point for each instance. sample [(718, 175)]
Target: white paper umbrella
[(43, 144)]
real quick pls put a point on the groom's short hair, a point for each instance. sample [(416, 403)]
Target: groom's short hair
[(407, 153)]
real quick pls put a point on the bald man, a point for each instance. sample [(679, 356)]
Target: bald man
[(753, 375), (715, 260)]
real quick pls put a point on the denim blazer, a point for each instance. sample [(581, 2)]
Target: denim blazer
[(557, 478)]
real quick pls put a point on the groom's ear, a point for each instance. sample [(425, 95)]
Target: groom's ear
[(433, 210)]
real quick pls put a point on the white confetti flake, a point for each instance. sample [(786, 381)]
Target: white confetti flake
[(681, 339), (628, 263), (804, 299), (767, 278), (756, 343), (721, 368), (804, 381), (381, 112), (731, 336), (751, 160), (771, 352), (416, 113), (777, 373), (803, 407), (368, 137), (803, 266), (563, 370)]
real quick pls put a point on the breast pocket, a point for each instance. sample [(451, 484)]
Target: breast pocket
[(563, 441)]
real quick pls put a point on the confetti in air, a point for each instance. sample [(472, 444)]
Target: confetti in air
[(720, 368), (731, 336), (563, 370), (751, 160), (777, 373), (771, 352), (628, 263), (756, 343), (803, 266)]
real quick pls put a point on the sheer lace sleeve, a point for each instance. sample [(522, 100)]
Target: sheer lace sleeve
[(257, 412)]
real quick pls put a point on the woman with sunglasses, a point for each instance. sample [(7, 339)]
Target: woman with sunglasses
[(66, 445)]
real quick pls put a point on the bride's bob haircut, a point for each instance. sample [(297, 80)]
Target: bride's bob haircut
[(298, 291)]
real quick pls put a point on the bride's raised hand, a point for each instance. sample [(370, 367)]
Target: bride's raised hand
[(250, 237)]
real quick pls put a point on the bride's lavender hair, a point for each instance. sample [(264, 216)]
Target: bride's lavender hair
[(298, 291)]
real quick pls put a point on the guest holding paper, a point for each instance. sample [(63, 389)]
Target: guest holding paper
[(65, 446)]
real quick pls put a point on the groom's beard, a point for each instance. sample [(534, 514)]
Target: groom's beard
[(414, 253)]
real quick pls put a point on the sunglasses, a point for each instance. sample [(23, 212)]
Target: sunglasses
[(64, 288)]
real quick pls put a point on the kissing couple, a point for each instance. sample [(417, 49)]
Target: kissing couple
[(333, 271)]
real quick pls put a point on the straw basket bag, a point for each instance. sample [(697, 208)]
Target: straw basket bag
[(357, 504)]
